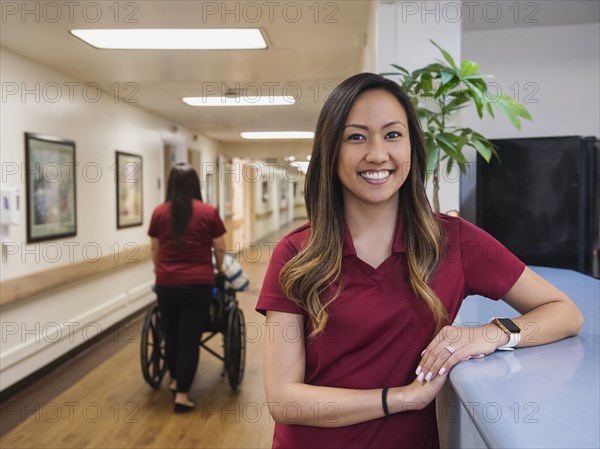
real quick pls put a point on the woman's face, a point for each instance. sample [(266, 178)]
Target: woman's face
[(374, 158)]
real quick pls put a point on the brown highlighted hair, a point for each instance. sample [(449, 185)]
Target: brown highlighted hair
[(318, 264)]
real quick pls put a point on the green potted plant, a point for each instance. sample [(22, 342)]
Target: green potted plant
[(438, 91)]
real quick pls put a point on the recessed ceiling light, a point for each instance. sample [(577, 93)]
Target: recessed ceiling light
[(278, 135), (240, 101), (174, 39)]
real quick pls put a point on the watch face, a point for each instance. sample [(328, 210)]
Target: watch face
[(510, 325)]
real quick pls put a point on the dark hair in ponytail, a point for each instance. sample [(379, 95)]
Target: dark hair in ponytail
[(182, 188)]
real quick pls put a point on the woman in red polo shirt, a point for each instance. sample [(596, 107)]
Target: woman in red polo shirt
[(183, 230), (359, 300)]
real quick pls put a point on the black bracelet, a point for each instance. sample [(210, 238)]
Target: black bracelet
[(384, 401)]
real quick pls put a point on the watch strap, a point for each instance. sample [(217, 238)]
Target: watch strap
[(514, 338)]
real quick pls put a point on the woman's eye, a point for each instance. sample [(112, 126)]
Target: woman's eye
[(356, 137), (393, 135)]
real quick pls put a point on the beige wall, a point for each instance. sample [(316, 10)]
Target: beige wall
[(39, 329)]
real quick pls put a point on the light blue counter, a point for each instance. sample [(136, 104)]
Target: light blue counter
[(540, 397)]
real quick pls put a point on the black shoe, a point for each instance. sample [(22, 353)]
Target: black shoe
[(182, 408)]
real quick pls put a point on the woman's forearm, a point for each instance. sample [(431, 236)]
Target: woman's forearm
[(310, 405), (154, 247), (549, 322), (292, 401), (219, 246), (547, 312)]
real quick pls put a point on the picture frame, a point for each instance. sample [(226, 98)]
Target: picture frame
[(51, 190), (130, 200)]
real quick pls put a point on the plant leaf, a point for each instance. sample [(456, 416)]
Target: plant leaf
[(433, 153), (477, 96), (482, 149), (445, 76), (427, 82), (513, 110), (460, 98), (468, 68), (446, 55), (402, 69), (445, 86), (445, 143)]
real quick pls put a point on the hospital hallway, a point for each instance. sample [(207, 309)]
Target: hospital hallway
[(99, 399)]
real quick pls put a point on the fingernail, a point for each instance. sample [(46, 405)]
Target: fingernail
[(418, 371), (442, 371), (481, 356), (420, 378), (429, 376), (423, 352)]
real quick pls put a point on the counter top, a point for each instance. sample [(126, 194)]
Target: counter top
[(544, 396)]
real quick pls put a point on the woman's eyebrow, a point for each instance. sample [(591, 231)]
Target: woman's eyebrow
[(356, 125), (396, 122), (366, 128)]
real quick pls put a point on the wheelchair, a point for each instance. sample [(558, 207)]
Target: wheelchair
[(225, 318)]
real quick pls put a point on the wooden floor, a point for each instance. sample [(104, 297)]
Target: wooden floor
[(110, 406)]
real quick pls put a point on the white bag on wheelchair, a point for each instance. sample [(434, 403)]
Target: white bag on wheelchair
[(235, 278)]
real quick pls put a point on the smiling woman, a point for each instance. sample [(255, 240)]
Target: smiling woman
[(372, 283), (374, 150)]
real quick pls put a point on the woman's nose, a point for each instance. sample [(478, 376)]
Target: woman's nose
[(376, 152)]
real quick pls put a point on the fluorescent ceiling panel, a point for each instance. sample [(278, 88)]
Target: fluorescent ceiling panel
[(174, 39), (239, 101), (278, 135)]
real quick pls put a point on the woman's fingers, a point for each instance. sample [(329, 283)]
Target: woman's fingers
[(451, 345), (439, 361)]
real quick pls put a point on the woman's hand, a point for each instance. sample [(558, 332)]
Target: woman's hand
[(455, 344), (419, 395)]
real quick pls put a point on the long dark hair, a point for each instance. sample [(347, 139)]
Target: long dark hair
[(319, 263), (182, 188)]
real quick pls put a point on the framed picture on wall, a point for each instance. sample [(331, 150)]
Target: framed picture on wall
[(129, 190), (50, 187)]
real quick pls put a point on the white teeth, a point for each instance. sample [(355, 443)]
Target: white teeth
[(375, 175)]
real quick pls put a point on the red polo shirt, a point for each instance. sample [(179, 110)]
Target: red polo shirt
[(191, 262), (377, 328)]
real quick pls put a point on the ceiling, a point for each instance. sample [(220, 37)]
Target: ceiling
[(490, 14), (311, 47)]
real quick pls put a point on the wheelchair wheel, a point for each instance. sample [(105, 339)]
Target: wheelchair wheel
[(153, 349), (235, 347)]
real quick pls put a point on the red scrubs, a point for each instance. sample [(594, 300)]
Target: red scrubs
[(191, 262), (377, 328)]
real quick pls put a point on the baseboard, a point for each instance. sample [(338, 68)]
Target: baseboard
[(32, 378)]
